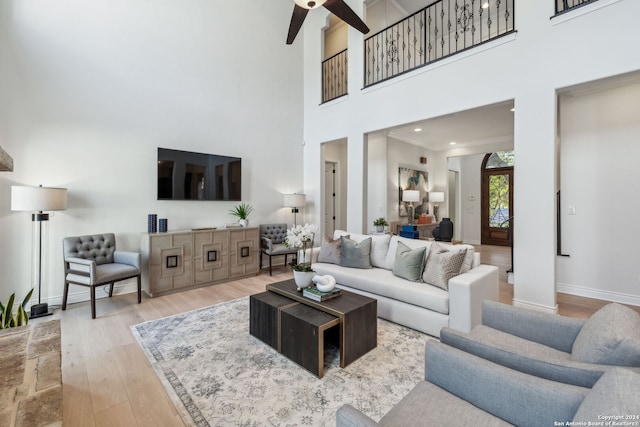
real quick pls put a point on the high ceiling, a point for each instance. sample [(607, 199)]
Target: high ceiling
[(483, 125)]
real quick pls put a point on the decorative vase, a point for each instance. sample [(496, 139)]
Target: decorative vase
[(303, 278), (380, 228), (244, 222)]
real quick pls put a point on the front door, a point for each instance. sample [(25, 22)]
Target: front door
[(497, 199)]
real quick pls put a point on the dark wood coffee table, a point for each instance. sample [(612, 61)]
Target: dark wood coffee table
[(357, 316)]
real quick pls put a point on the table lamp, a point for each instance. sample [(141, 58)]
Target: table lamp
[(436, 197), (410, 197)]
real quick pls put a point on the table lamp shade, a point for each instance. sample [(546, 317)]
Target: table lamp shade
[(436, 197), (410, 196), (32, 199), (294, 200)]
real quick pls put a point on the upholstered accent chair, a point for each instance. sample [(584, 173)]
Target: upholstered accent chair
[(93, 260), (272, 238)]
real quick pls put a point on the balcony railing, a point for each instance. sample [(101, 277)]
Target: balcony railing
[(441, 29), (565, 5), (334, 76)]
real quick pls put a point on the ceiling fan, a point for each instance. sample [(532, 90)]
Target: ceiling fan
[(337, 7)]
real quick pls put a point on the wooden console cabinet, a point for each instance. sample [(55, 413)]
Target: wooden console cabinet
[(186, 259)]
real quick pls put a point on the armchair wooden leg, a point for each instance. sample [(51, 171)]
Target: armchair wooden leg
[(111, 289), (93, 302), (270, 257), (139, 290), (64, 295)]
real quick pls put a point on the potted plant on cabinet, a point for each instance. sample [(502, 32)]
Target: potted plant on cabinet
[(242, 212), (380, 224)]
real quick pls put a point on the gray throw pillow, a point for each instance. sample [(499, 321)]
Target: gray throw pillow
[(330, 251), (615, 393), (611, 336), (442, 265), (409, 262), (356, 255)]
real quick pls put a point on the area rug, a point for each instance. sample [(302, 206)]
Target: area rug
[(217, 374)]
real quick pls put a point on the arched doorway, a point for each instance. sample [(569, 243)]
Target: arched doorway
[(497, 199)]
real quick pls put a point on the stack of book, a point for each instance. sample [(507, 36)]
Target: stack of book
[(316, 295)]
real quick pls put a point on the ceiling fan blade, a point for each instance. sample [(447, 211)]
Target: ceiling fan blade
[(299, 13), (344, 12)]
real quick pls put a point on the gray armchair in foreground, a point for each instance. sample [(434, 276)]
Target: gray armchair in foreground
[(569, 350), (461, 389), (272, 238), (93, 260)]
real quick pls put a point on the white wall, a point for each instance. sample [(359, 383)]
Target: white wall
[(529, 66), (378, 180), (91, 89), (470, 198), (599, 136)]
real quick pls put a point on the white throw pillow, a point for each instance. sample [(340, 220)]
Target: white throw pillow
[(379, 245)]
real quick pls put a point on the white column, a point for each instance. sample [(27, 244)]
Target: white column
[(356, 185), (534, 199)]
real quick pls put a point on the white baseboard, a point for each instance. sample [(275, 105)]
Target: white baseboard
[(535, 307), (598, 294)]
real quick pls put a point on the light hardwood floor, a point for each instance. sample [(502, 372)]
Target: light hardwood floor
[(107, 380)]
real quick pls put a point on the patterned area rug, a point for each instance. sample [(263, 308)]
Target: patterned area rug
[(217, 374)]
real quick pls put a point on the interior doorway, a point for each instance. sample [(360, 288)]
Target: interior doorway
[(497, 199)]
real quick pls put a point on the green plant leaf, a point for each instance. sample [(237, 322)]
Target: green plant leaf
[(27, 299), (20, 316), (8, 311)]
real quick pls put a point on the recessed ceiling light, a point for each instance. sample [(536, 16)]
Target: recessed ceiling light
[(452, 143), (417, 130), (513, 109)]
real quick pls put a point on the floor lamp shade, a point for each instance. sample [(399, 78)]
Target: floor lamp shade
[(294, 200), (37, 200)]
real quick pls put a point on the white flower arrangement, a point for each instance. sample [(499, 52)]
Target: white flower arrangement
[(300, 236)]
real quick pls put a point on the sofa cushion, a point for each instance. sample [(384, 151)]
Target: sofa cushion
[(616, 393), (382, 282), (379, 245), (354, 254), (611, 336), (442, 265), (330, 250), (409, 263), (523, 355), (428, 404)]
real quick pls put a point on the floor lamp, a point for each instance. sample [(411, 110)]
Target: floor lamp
[(411, 196), (294, 201), (436, 197), (38, 200)]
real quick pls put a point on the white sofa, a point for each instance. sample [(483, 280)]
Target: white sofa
[(419, 306)]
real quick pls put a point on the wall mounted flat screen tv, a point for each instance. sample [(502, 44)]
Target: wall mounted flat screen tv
[(184, 175)]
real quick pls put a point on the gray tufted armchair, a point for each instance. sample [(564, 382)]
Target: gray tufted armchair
[(272, 238), (93, 261)]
